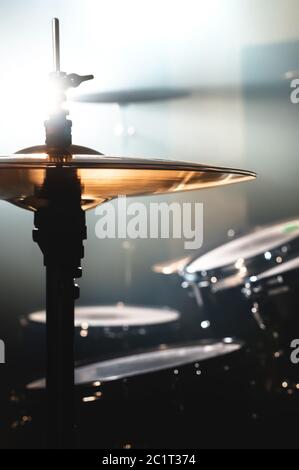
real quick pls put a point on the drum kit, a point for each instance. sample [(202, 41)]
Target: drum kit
[(126, 388)]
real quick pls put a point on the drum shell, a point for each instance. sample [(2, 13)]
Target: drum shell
[(97, 342), (227, 308), (277, 302), (104, 342), (229, 313)]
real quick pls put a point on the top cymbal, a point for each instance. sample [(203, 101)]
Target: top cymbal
[(125, 97), (103, 178)]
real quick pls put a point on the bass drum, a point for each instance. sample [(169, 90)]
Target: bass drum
[(204, 395), (218, 277)]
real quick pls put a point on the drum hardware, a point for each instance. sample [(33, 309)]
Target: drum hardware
[(194, 325), (189, 282), (59, 181), (60, 232), (129, 249), (257, 316), (195, 292)]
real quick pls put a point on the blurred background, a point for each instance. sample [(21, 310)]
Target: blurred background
[(229, 56)]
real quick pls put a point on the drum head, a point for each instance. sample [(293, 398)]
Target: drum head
[(153, 361), (118, 315), (246, 247)]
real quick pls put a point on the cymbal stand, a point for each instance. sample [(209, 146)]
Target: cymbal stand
[(60, 231)]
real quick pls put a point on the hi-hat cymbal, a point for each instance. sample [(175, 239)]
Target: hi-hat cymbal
[(103, 178), (126, 97)]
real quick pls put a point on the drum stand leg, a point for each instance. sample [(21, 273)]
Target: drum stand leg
[(60, 231)]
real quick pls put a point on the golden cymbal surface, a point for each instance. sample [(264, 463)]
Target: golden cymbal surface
[(102, 178)]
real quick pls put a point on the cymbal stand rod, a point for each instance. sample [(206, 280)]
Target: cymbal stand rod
[(60, 306), (56, 44), (58, 127), (60, 231)]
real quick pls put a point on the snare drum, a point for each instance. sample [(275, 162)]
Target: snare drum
[(218, 277), (101, 331), (191, 396)]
